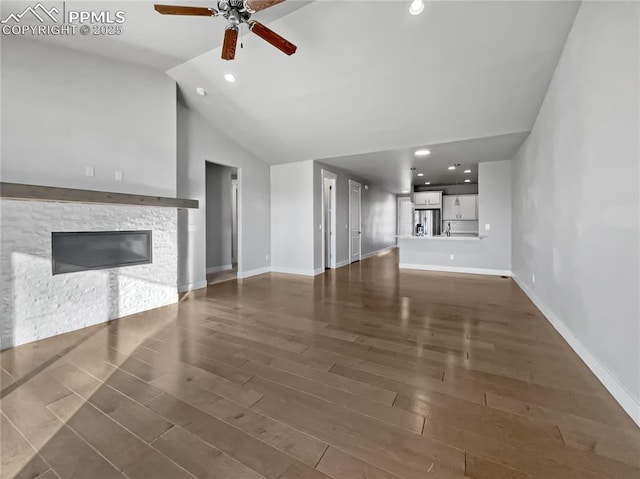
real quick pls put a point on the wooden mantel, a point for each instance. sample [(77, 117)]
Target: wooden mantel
[(19, 191)]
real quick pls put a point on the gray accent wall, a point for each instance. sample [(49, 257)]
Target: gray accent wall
[(379, 211), (379, 219), (494, 209), (576, 207), (64, 110), (198, 143)]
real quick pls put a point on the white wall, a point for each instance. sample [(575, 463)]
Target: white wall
[(64, 110), (572, 229), (292, 215), (492, 253), (218, 218), (34, 304), (198, 142), (379, 211)]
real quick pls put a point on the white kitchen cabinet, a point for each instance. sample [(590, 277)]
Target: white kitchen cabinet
[(428, 199), (466, 210)]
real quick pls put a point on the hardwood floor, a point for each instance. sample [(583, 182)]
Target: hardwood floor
[(364, 372), (221, 276)]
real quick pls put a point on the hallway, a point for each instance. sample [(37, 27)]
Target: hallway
[(364, 371)]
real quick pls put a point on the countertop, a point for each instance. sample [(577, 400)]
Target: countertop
[(441, 238)]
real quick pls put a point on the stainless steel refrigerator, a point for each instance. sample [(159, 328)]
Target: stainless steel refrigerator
[(426, 223)]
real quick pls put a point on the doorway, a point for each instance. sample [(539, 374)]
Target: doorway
[(221, 222), (329, 195), (355, 221)]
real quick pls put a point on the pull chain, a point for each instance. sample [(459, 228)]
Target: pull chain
[(241, 43)]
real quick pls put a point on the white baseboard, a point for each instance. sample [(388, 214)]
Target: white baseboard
[(340, 264), (302, 272), (217, 269), (630, 404), (378, 252), (183, 288), (253, 272), (455, 269)]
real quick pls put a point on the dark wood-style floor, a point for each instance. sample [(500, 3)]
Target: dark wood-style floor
[(364, 372)]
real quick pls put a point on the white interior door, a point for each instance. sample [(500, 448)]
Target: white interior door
[(405, 217), (355, 221)]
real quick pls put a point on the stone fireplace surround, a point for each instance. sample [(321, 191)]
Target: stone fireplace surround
[(35, 304)]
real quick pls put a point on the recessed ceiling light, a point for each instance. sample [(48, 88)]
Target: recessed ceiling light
[(427, 183), (452, 167), (423, 152), (467, 171), (230, 78), (416, 7), (420, 174), (467, 181), (405, 191), (201, 91)]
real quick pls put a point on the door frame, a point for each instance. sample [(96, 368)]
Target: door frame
[(234, 218), (238, 213), (332, 178), (353, 183)]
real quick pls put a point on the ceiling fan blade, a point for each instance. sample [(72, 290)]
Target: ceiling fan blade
[(180, 10), (256, 5), (229, 44), (272, 37)]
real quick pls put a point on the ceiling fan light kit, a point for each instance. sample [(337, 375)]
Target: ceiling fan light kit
[(236, 12)]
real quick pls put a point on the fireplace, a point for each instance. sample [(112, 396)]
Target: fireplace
[(91, 250), (47, 233)]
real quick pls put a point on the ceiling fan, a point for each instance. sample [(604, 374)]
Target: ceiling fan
[(236, 12)]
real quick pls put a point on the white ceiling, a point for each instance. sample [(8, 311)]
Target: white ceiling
[(367, 76), (392, 169)]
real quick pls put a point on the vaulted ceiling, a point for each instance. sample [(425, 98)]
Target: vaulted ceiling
[(368, 78)]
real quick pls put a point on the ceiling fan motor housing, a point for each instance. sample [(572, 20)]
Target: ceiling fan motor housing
[(234, 11)]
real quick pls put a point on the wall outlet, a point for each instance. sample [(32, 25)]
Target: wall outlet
[(451, 257), (266, 257), (89, 171), (320, 226), (119, 175), (487, 227), (533, 278)]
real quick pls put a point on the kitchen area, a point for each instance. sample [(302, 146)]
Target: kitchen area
[(436, 214), (448, 227)]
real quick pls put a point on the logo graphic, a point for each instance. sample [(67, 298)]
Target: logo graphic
[(70, 22), (34, 11)]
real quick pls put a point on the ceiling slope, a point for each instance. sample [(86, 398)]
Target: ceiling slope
[(369, 77)]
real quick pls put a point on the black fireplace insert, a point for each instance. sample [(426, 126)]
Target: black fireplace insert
[(89, 250)]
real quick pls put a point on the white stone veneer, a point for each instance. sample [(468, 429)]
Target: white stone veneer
[(36, 305)]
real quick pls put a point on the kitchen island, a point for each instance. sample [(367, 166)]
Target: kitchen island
[(457, 254)]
